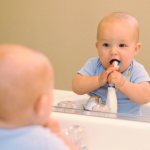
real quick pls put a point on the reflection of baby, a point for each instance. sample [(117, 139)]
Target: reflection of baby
[(117, 38), (26, 83)]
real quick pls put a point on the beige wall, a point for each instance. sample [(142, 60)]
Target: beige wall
[(66, 29)]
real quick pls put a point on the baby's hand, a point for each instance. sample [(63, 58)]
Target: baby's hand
[(116, 78), (103, 78)]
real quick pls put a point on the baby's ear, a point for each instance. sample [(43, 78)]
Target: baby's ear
[(137, 48), (42, 106), (96, 44)]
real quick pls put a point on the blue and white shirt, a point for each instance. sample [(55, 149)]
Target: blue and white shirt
[(30, 138), (135, 73)]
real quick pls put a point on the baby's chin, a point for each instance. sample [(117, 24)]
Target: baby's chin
[(121, 69)]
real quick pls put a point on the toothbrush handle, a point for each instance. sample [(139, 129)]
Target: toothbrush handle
[(111, 85)]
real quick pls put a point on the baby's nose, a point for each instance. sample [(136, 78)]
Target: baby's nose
[(114, 51)]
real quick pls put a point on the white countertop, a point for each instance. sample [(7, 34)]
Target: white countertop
[(105, 133)]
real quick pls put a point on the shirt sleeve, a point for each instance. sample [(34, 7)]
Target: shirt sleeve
[(139, 74), (89, 67)]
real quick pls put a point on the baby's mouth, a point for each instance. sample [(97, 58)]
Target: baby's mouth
[(115, 62)]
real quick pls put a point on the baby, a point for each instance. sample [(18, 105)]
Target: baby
[(26, 85), (117, 39)]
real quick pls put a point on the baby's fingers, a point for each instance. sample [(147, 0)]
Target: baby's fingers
[(109, 71)]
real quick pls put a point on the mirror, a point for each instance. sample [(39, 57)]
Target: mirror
[(69, 102), (66, 30)]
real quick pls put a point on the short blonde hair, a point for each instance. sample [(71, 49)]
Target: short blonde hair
[(120, 16)]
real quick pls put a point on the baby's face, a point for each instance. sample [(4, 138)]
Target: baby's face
[(117, 40)]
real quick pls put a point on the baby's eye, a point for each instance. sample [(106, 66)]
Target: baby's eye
[(122, 45), (105, 45)]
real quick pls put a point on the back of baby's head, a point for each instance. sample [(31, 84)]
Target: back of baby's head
[(24, 76)]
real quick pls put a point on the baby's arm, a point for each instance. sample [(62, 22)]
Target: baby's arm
[(139, 92), (85, 84)]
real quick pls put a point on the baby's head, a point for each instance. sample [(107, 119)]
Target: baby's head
[(118, 38), (26, 83)]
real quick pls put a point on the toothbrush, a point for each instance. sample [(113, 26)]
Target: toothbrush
[(111, 101), (116, 64)]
